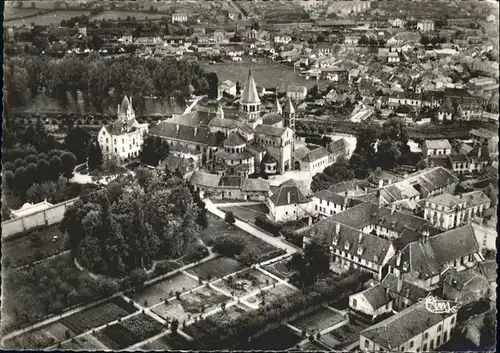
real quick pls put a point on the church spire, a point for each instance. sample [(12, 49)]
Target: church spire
[(278, 106), (250, 94)]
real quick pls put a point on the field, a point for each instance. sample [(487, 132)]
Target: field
[(87, 342), (266, 74), (25, 249), (129, 332), (47, 19), (98, 316), (280, 339), (318, 320), (216, 268), (164, 289), (271, 294), (279, 269), (246, 213), (244, 282), (116, 14)]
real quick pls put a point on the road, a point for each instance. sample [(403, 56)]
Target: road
[(277, 242)]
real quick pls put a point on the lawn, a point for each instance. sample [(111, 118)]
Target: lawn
[(216, 268), (172, 310), (35, 245), (87, 342), (279, 339), (131, 331), (98, 315), (318, 320), (202, 300), (244, 282), (163, 290), (279, 269), (247, 213)]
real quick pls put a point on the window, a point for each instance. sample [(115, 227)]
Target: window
[(452, 320), (418, 349), (367, 343), (426, 335), (438, 341), (411, 344), (439, 328), (445, 336), (424, 349), (354, 304)]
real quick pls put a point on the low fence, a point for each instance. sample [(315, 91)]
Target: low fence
[(44, 217)]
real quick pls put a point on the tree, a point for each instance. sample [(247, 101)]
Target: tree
[(213, 84), (174, 325), (154, 150), (488, 331), (229, 245), (143, 175), (95, 157), (359, 165), (138, 276), (387, 154), (238, 88), (313, 263), (333, 174), (77, 142), (229, 218), (68, 164)]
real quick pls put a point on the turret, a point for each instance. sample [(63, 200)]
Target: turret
[(250, 101), (278, 107)]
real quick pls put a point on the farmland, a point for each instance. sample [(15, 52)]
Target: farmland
[(98, 316), (216, 268), (244, 282), (129, 332), (35, 245), (318, 320), (163, 290), (47, 19)]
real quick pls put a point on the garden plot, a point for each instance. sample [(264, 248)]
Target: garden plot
[(174, 340), (311, 346), (279, 339), (163, 290), (318, 320), (271, 294), (244, 282), (98, 315), (129, 332), (41, 338), (87, 342), (200, 327), (200, 301), (347, 334), (279, 269), (246, 213), (156, 345), (216, 268)]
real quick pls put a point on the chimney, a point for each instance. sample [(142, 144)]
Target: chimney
[(425, 234), (399, 284), (288, 197), (337, 229), (380, 184), (195, 131), (393, 209), (479, 151), (387, 292), (366, 190), (360, 237), (398, 258), (177, 128)]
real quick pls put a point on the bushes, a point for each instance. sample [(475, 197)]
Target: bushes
[(262, 221), (195, 253), (142, 326), (164, 267), (293, 237), (229, 245)]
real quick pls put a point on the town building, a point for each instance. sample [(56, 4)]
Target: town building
[(423, 261), (465, 287), (403, 293), (425, 25), (447, 211), (296, 93), (436, 148), (288, 203), (234, 158), (179, 17), (228, 87), (123, 139), (415, 329), (485, 137), (373, 302)]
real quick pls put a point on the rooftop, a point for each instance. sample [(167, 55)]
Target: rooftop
[(29, 209), (437, 144), (287, 195)]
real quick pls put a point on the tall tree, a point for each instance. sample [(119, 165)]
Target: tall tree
[(95, 157), (77, 141), (213, 84)]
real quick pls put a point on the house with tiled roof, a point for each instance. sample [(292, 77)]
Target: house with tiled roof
[(288, 203), (424, 261), (403, 293), (228, 87), (448, 211), (123, 138), (436, 148), (296, 92), (373, 302), (415, 329), (465, 287)]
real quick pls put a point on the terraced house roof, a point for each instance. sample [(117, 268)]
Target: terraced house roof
[(398, 329), (198, 135), (316, 154), (288, 195)]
